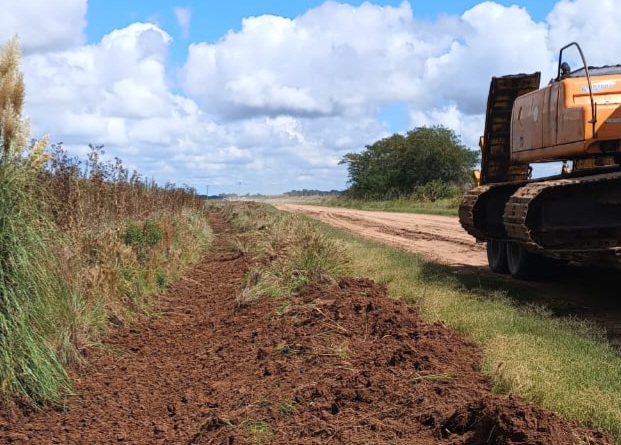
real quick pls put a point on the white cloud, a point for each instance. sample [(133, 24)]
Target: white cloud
[(43, 25), (594, 25), (184, 17), (337, 64), (334, 59), (101, 90), (114, 93), (277, 104), (467, 127), (493, 41)]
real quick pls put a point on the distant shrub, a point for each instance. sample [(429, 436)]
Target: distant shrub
[(161, 280)]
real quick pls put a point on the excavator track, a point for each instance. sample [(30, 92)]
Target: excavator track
[(541, 216), (466, 212), (567, 215), (481, 209)]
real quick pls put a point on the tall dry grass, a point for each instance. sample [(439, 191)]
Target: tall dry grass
[(125, 238), (83, 245), (31, 285)]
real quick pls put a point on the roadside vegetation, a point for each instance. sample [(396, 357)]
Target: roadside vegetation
[(445, 206), (83, 245), (561, 363), (425, 164), (289, 252)]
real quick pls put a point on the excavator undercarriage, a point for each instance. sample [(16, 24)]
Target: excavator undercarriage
[(573, 216)]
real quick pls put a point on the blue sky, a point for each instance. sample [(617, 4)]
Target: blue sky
[(267, 96), (212, 20)]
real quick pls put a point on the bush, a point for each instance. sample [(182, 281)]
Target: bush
[(142, 235)]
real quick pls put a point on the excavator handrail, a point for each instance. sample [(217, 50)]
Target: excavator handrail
[(588, 76)]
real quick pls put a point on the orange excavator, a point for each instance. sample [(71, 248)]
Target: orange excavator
[(574, 216)]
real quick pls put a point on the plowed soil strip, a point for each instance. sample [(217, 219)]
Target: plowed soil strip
[(340, 364)]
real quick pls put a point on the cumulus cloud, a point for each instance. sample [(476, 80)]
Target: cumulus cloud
[(484, 49), (123, 76), (467, 127), (339, 64), (340, 60), (275, 105), (594, 25), (114, 93), (43, 25), (334, 59)]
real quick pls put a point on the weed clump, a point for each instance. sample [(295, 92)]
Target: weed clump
[(291, 252)]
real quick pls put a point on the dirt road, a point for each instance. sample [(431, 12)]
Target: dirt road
[(439, 238), (584, 292)]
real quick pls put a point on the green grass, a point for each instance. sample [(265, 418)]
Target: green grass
[(290, 252), (287, 407)]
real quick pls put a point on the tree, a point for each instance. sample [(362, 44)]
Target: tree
[(374, 171), (398, 165)]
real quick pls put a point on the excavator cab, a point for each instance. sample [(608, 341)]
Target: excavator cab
[(577, 116)]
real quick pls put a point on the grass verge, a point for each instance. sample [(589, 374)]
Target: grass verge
[(32, 297), (290, 252)]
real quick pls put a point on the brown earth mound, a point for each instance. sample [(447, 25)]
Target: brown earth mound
[(340, 364)]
